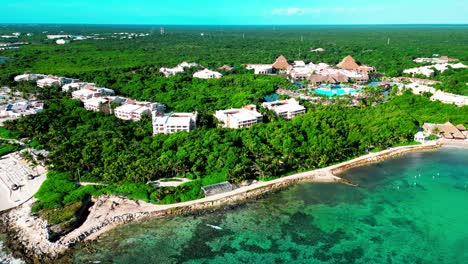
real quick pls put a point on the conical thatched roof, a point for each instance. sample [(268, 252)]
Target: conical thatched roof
[(348, 63), (281, 63)]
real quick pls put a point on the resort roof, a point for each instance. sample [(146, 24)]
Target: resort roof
[(281, 63), (348, 63), (176, 119), (245, 115), (461, 127), (290, 108), (95, 101), (225, 67), (340, 78), (450, 131), (316, 78), (84, 92), (127, 108)]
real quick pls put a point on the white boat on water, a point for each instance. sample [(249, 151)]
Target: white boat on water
[(214, 227)]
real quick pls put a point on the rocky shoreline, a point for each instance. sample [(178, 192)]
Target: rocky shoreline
[(29, 235)]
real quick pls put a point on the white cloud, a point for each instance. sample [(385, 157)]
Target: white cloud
[(293, 11), (297, 11)]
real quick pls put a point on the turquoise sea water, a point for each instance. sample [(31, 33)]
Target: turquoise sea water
[(411, 209)]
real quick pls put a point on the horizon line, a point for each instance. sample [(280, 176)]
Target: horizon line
[(276, 25)]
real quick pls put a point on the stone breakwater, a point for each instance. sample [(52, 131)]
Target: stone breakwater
[(110, 211), (30, 232)]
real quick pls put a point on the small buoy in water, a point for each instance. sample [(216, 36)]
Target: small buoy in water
[(398, 187), (414, 184), (433, 177)]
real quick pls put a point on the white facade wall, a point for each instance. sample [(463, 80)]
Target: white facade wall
[(260, 68), (173, 122), (239, 118), (286, 108)]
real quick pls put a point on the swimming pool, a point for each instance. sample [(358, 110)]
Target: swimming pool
[(3, 59), (336, 92)]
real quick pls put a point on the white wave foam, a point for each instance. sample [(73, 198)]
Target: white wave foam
[(6, 258)]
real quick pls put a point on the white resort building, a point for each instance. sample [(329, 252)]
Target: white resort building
[(29, 77), (421, 137), (239, 117), (62, 41), (260, 68), (90, 91), (97, 104), (54, 81), (103, 104), (131, 112), (76, 86), (346, 71), (449, 98), (134, 110), (18, 109), (207, 74), (85, 94), (168, 72), (48, 81), (173, 122), (286, 108), (58, 36), (429, 71), (441, 59)]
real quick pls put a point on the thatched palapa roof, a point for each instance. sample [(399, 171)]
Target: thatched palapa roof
[(316, 78), (448, 130), (332, 79), (225, 67), (281, 63), (348, 63), (340, 78), (461, 127)]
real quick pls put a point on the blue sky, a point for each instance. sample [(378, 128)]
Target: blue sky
[(235, 12)]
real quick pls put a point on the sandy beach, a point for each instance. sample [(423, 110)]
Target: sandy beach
[(453, 143), (15, 170), (111, 211)]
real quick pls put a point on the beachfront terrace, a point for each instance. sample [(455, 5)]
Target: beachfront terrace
[(18, 181)]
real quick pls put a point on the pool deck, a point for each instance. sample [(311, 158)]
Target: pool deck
[(330, 92)]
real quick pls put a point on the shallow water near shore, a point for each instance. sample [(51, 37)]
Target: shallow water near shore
[(5, 255), (410, 209)]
